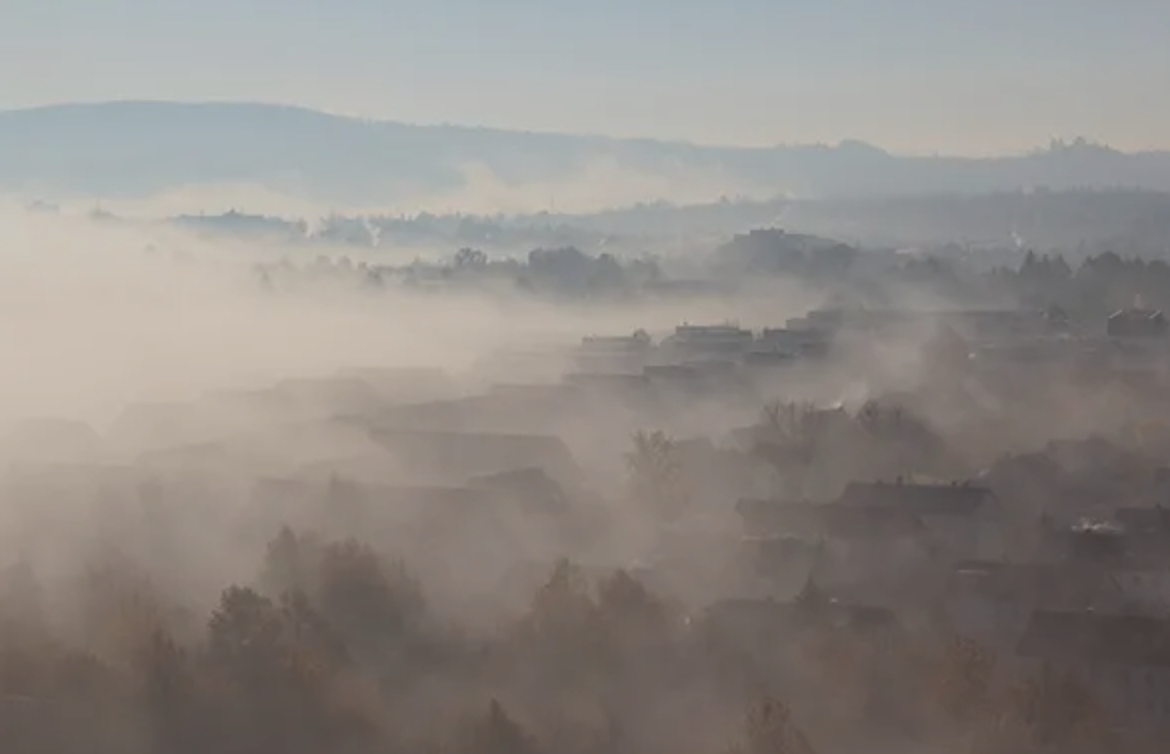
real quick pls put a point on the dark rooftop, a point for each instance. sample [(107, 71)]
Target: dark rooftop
[(1077, 637), (1049, 585), (958, 499), (1136, 313), (1155, 520), (831, 519), (765, 615)]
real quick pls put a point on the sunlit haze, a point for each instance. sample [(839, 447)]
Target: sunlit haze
[(594, 377), (909, 75)]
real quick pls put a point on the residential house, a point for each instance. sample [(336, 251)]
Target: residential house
[(764, 361), (859, 545), (531, 489), (791, 340), (809, 520), (766, 627), (1122, 660), (274, 449), (1152, 523), (614, 387), (965, 519), (503, 408), (545, 398), (326, 397), (992, 602), (1145, 583), (539, 363), (1030, 484), (151, 425), (1002, 324), (461, 455), (684, 377), (610, 353), (775, 568), (404, 383), (638, 341), (1137, 322), (1136, 554), (703, 341), (241, 409)]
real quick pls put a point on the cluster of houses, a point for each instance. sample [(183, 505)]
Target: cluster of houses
[(168, 483), (1131, 342), (406, 457), (1092, 599)]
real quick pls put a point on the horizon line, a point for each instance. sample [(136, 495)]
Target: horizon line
[(1054, 143)]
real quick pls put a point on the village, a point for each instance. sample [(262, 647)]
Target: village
[(1008, 489)]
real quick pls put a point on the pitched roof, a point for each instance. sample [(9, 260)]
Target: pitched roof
[(830, 519), (923, 499), (469, 454), (531, 487), (1155, 520), (1076, 637), (1054, 586), (1135, 313), (779, 567), (870, 522), (277, 491), (763, 616)]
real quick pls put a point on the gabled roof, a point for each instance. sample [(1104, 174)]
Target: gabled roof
[(922, 499), (1134, 313)]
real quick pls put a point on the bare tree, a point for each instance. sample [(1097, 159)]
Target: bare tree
[(655, 474), (792, 437)]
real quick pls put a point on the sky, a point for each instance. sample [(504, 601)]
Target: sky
[(918, 76)]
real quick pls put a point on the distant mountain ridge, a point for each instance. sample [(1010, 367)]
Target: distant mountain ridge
[(130, 149)]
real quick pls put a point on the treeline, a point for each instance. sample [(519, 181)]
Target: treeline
[(334, 647), (1087, 288), (1096, 286), (563, 272), (423, 230)]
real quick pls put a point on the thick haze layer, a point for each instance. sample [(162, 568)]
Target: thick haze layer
[(327, 433), (265, 535), (99, 314)]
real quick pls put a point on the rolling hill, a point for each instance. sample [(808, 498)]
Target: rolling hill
[(130, 149)]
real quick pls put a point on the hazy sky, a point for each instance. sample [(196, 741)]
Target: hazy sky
[(913, 75)]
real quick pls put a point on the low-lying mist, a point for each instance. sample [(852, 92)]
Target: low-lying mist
[(592, 185), (141, 353), (99, 314), (263, 498)]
